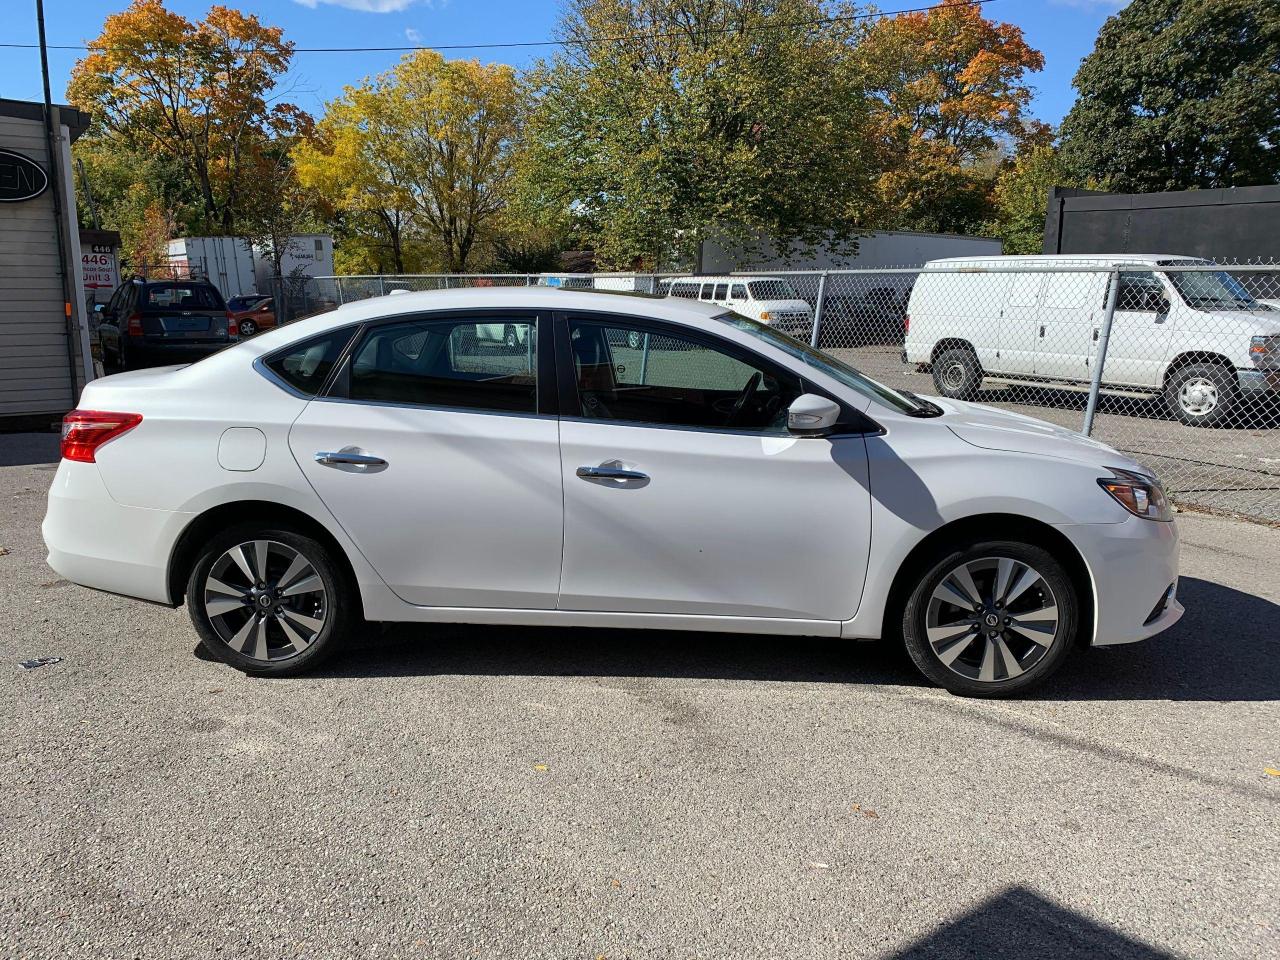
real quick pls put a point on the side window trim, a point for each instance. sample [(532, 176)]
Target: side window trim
[(567, 379)]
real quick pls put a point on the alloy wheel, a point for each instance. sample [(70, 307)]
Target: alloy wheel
[(248, 328), (265, 600), (992, 619)]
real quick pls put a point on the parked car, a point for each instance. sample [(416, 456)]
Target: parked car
[(149, 323), (771, 300), (874, 316), (366, 464), (1197, 338), (253, 313)]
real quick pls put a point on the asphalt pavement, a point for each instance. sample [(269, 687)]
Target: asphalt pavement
[(537, 793)]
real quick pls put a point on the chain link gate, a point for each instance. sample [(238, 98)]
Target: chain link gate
[(1175, 362)]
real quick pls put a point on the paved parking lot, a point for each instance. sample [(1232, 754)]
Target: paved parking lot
[(482, 792)]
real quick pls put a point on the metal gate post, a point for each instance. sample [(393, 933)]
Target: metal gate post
[(816, 338), (1100, 360)]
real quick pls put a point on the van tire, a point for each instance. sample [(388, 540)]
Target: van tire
[(957, 373), (1203, 395)]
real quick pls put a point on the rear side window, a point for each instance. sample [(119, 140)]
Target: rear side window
[(305, 366), (1025, 289), (739, 292), (1068, 291), (182, 296)]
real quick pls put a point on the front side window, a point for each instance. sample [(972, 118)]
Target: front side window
[(305, 366), (631, 374), (489, 364), (1139, 290)]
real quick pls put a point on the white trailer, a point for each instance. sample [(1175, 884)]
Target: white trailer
[(226, 262), (304, 255)]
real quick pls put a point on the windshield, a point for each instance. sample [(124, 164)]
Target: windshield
[(771, 290), (1212, 290), (832, 367)]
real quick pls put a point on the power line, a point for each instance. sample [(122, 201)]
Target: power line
[(561, 43)]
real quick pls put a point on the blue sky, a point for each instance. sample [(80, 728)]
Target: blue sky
[(1064, 30)]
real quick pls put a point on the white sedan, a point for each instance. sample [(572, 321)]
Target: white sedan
[(651, 463)]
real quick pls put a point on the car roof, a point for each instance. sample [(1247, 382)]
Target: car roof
[(689, 312), (1066, 259)]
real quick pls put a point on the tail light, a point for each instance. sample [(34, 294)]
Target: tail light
[(906, 324), (135, 325), (84, 431), (233, 326)]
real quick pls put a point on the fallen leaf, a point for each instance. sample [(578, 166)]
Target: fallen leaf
[(818, 865), (540, 766), (4, 551), (616, 883), (1271, 771), (871, 814)]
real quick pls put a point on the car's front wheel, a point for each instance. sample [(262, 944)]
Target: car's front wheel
[(270, 601), (992, 619), (1203, 395)]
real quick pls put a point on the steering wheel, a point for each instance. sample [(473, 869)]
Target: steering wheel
[(753, 384)]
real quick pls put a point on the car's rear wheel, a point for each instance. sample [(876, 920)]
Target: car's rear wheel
[(270, 601), (1203, 395), (957, 373), (247, 328), (991, 620)]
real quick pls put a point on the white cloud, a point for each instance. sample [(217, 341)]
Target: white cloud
[(412, 35), (364, 6)]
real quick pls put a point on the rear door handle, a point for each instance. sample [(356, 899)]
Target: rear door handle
[(354, 459), (610, 473)]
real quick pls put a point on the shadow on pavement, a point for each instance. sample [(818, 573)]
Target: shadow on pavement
[(1021, 925), (21, 449), (1226, 647)]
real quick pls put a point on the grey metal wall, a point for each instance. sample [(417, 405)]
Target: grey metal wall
[(38, 381), (1239, 224)]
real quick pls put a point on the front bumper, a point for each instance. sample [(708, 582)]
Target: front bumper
[(1132, 565)]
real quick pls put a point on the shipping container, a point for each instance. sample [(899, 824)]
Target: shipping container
[(226, 262)]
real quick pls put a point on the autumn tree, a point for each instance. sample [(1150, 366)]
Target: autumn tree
[(199, 93), (950, 95), (1180, 94), (664, 122), (425, 149)]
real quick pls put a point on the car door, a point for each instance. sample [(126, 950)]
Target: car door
[(437, 451), (1140, 331), (1070, 303), (1020, 325), (683, 492)]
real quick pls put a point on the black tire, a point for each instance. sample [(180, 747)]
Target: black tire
[(337, 607), (1034, 662), (634, 339), (510, 338), (957, 373), (1203, 395)]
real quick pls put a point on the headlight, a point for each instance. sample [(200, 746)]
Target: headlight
[(1140, 495)]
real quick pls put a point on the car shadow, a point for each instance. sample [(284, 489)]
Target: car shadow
[(24, 449), (1226, 647), (1019, 924)]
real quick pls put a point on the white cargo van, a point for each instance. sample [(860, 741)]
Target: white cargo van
[(770, 300), (1197, 338)]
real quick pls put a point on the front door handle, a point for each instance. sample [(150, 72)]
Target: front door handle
[(610, 473), (353, 459)]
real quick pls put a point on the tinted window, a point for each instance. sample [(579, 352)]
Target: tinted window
[(739, 291), (486, 365), (305, 366), (722, 292), (182, 296), (771, 290), (1139, 291), (629, 374)]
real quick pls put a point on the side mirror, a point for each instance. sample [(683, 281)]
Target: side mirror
[(812, 416), (1155, 302), (99, 307)]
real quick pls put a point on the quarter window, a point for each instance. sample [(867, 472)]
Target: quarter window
[(632, 374), (305, 366), (489, 364)]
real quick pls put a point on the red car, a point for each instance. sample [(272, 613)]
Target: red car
[(253, 312)]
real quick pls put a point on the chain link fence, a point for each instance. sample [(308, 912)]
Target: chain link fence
[(1175, 362)]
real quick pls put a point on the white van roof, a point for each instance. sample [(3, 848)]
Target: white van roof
[(720, 279), (1061, 259)]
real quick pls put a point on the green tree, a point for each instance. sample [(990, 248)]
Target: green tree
[(1021, 197), (664, 122), (1179, 94)]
